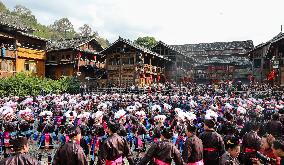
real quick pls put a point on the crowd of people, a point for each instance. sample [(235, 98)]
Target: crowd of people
[(193, 124)]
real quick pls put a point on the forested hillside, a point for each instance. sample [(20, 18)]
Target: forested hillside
[(60, 29)]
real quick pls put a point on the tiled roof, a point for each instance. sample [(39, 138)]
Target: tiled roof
[(216, 46), (73, 43), (169, 47), (131, 43), (14, 22), (33, 36)]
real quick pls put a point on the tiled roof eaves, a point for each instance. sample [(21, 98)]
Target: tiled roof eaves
[(143, 49)]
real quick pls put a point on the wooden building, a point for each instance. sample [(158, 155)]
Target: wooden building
[(20, 50), (75, 57), (181, 68), (268, 57), (219, 60), (130, 64)]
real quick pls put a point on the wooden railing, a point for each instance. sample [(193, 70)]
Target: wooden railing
[(11, 53), (31, 53)]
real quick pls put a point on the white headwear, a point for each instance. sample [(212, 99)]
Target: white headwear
[(119, 114), (140, 114), (241, 110), (190, 116), (68, 114), (211, 114), (155, 107), (22, 113), (160, 118), (45, 113), (98, 114), (84, 115), (131, 108), (167, 106)]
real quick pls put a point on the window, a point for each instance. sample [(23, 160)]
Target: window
[(30, 65)]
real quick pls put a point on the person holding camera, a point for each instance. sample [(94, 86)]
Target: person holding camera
[(71, 153), (21, 148), (278, 149)]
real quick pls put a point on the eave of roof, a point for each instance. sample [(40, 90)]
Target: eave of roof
[(141, 48)]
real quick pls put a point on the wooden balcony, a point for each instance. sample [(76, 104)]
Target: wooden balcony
[(31, 53), (10, 53)]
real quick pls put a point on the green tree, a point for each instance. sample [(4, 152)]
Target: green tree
[(64, 28), (24, 13), (3, 8), (85, 30), (147, 41)]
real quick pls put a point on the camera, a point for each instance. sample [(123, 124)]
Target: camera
[(264, 159)]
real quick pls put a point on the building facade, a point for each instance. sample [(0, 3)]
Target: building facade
[(130, 64), (181, 68), (75, 57), (219, 61), (268, 57), (20, 50)]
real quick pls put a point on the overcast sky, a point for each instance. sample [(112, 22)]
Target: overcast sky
[(172, 21)]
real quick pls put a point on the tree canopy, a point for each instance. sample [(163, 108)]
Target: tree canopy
[(147, 41), (60, 29)]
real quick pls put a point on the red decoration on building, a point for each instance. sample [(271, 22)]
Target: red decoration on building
[(271, 76)]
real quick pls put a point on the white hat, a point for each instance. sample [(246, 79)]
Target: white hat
[(140, 114), (131, 108), (190, 116), (167, 106), (25, 112), (102, 106), (211, 114), (84, 115), (155, 107), (137, 104), (2, 109), (119, 114), (160, 118), (68, 114), (241, 110), (98, 114), (45, 113)]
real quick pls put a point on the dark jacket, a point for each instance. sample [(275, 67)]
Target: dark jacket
[(193, 150), (70, 154), (114, 147), (20, 159), (164, 151)]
